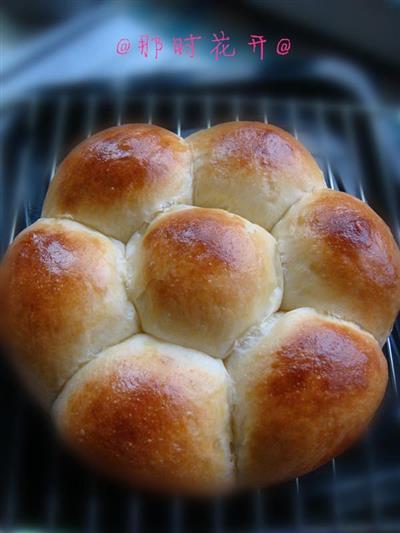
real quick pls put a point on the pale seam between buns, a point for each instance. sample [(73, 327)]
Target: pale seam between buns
[(170, 204), (82, 365), (304, 195), (122, 266), (161, 209), (122, 270), (251, 227), (346, 321), (245, 342), (164, 208), (131, 250), (231, 430), (230, 447), (322, 312), (89, 360), (70, 218)]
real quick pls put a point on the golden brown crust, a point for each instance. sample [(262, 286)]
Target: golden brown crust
[(201, 277), (152, 414), (305, 392), (211, 238), (117, 179), (253, 169), (340, 257), (163, 416), (64, 299)]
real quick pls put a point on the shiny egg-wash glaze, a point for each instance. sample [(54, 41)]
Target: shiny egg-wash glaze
[(172, 336)]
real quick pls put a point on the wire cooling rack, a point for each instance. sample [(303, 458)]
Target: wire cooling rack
[(41, 485)]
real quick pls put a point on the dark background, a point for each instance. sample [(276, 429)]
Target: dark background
[(51, 43)]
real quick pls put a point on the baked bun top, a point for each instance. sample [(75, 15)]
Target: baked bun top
[(306, 386), (200, 277), (153, 410), (116, 180), (340, 257), (63, 288), (251, 168)]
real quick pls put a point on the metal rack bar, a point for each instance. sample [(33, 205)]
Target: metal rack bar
[(236, 108), (133, 513), (395, 345), (176, 518), (218, 515), (13, 473), (120, 106), (389, 350), (350, 135), (11, 500), (2, 196), (179, 106), (259, 511), (91, 113), (298, 506), (392, 366), (321, 123), (208, 111), (20, 199), (92, 507), (265, 113), (332, 183), (59, 129), (52, 498), (368, 441), (392, 201), (150, 109)]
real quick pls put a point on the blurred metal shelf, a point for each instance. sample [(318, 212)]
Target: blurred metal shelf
[(42, 486)]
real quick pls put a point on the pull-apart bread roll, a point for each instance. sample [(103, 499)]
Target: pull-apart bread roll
[(305, 389), (115, 180), (253, 169), (65, 299), (154, 413), (184, 348), (339, 257), (201, 277)]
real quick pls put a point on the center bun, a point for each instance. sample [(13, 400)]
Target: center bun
[(202, 277)]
